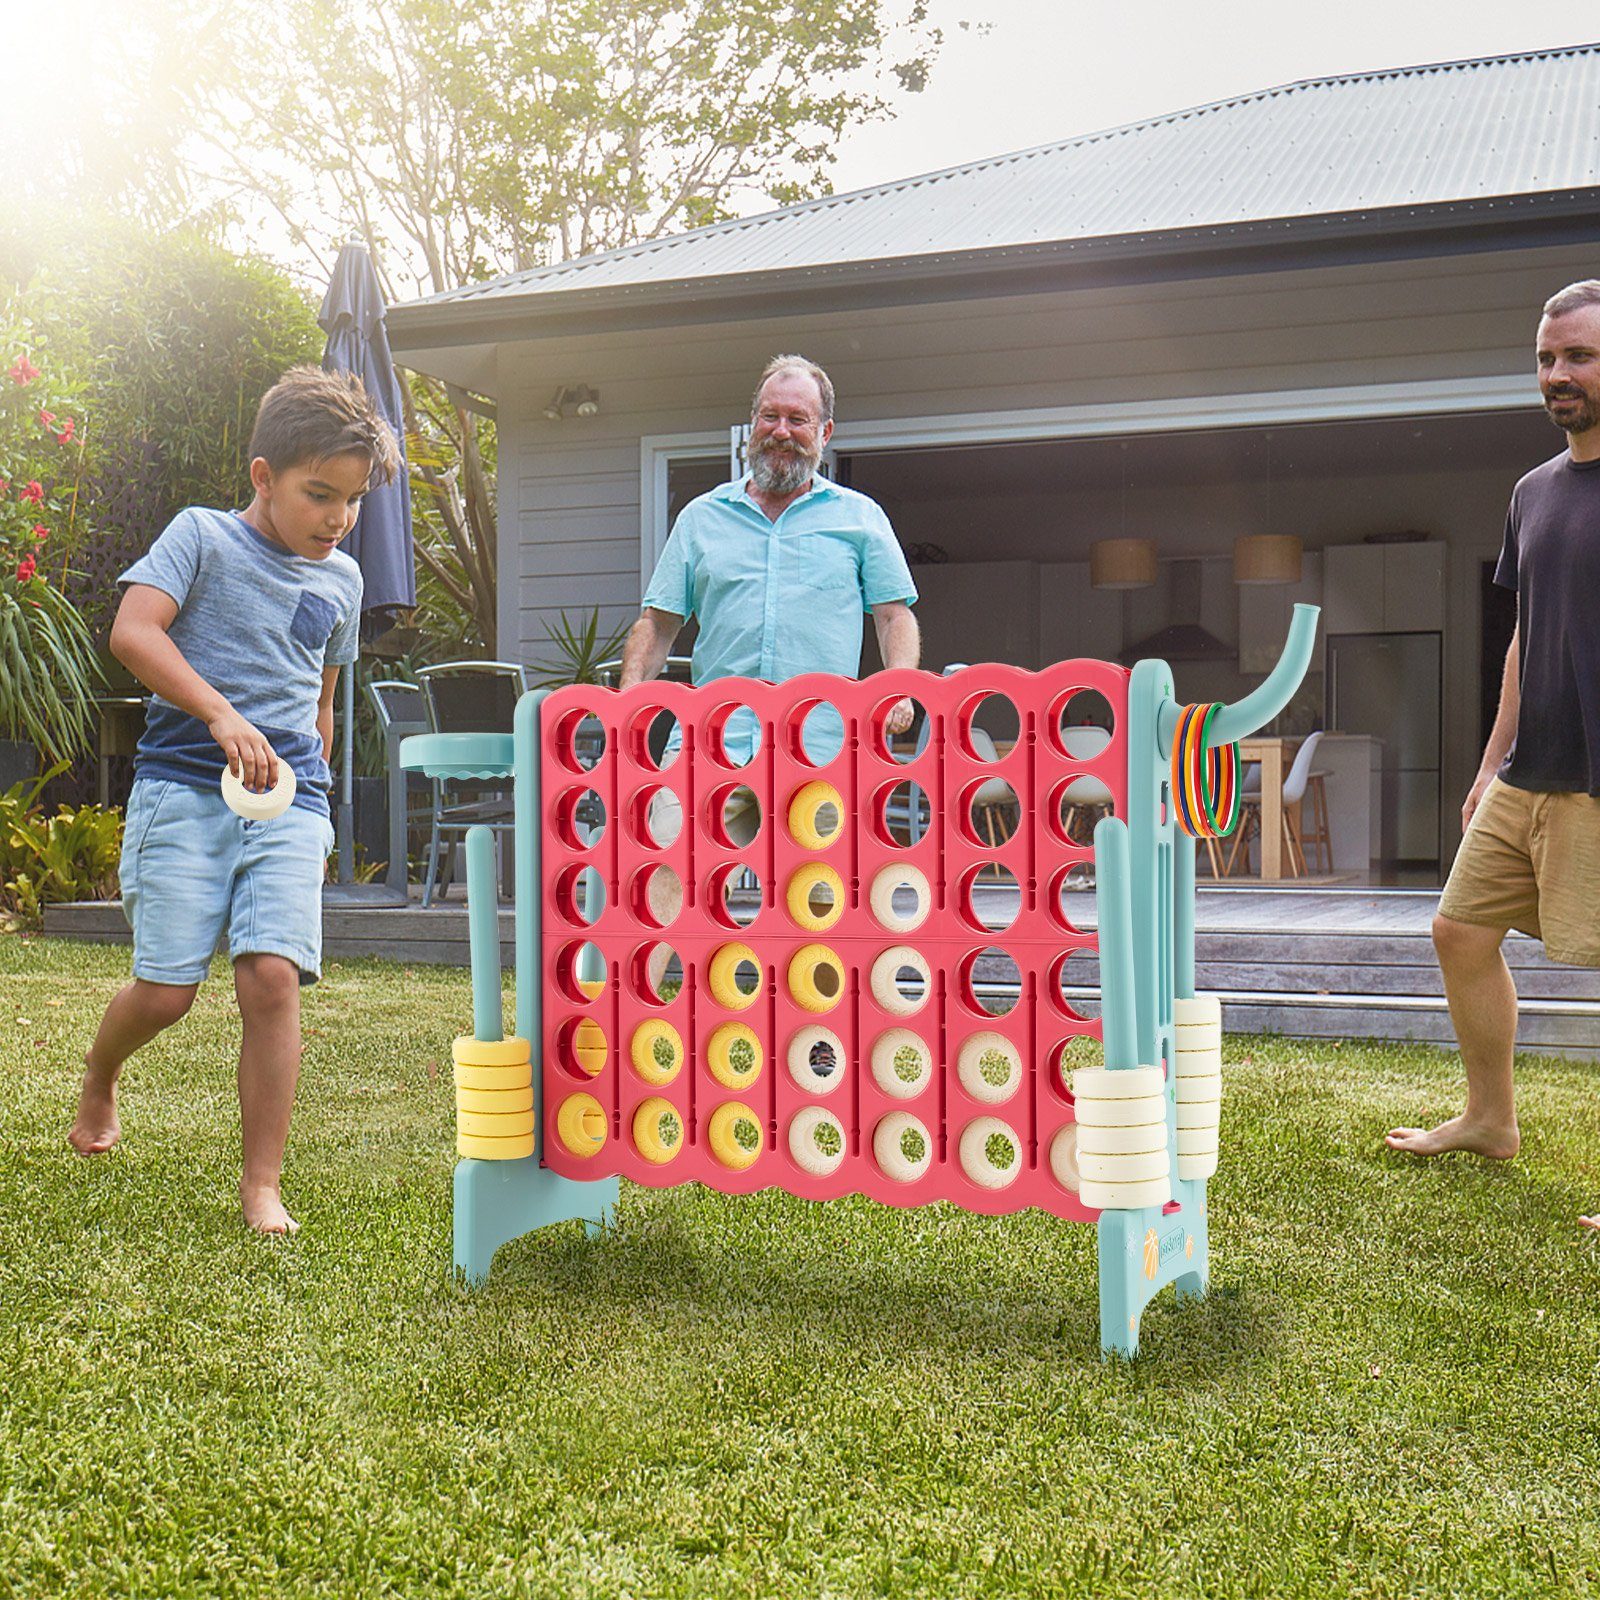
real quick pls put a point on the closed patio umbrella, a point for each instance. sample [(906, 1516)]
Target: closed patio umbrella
[(352, 316)]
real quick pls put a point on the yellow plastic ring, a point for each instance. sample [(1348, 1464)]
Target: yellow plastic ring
[(481, 1149), (722, 977), (736, 1135), (519, 1076), (581, 1125), (494, 1124), (590, 1047), (657, 1130), (500, 1100), (803, 885), (734, 1055), (657, 1052), (592, 987), (805, 812), (466, 1051), (816, 978)]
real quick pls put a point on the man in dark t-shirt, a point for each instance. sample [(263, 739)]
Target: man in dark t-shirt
[(1530, 857)]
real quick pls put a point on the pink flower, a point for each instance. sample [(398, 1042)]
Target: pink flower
[(40, 533), (64, 436), (23, 371), (3, 486), (26, 568), (46, 418), (34, 492)]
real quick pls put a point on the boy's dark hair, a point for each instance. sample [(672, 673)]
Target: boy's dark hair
[(310, 415)]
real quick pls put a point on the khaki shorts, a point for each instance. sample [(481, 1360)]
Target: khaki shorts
[(1531, 861)]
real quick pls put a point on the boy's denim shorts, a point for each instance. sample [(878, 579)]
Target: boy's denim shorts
[(191, 868)]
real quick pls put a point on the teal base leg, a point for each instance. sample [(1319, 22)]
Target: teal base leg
[(497, 1201), (1141, 1252)]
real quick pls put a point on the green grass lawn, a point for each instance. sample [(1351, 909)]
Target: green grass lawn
[(1390, 1390)]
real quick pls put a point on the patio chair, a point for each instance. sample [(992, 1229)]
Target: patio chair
[(469, 697), (1299, 779), (401, 712)]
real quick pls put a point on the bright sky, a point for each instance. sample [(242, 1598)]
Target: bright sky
[(1048, 69)]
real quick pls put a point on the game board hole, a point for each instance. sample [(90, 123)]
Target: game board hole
[(991, 813), (657, 895), (1081, 1050), (580, 818), (1083, 724), (655, 818), (987, 727), (815, 732), (1077, 983), (581, 1048), (901, 815), (654, 738), (989, 897), (733, 735), (1074, 899), (580, 894), (734, 816), (580, 741), (1079, 806), (899, 747), (909, 984), (991, 982), (656, 973), (580, 971), (733, 895)]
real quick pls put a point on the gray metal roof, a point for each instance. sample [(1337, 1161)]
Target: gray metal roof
[(1410, 137)]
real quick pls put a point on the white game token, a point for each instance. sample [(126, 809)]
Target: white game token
[(263, 807)]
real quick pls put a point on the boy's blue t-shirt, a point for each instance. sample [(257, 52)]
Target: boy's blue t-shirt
[(259, 624)]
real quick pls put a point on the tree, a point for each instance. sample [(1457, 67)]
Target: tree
[(461, 142)]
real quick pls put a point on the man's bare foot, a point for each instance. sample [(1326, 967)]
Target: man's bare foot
[(1497, 1143), (263, 1211), (95, 1128)]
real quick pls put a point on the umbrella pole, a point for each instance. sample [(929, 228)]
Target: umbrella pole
[(347, 824)]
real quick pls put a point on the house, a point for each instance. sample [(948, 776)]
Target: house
[(1305, 312)]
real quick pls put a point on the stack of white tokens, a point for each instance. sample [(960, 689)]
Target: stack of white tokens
[(1122, 1138), (1197, 1071)]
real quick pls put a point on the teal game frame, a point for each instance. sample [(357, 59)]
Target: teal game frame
[(1145, 887)]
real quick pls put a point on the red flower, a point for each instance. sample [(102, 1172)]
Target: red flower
[(46, 418), (65, 435), (23, 371), (26, 568), (3, 486), (33, 492), (40, 533)]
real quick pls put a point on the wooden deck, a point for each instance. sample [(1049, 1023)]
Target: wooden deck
[(1313, 963)]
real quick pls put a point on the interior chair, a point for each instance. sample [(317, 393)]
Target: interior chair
[(1295, 785), (401, 711), (995, 799), (468, 697)]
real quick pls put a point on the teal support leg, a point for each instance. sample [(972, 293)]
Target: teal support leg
[(1141, 1252), (497, 1201)]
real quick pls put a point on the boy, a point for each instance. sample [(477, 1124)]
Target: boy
[(238, 623)]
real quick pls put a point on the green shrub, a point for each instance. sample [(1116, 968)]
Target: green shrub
[(46, 860)]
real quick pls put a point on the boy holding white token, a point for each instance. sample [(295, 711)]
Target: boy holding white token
[(238, 623)]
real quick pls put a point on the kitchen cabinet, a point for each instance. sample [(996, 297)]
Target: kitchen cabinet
[(1264, 612), (1384, 588)]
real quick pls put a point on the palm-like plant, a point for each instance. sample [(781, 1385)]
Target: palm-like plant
[(48, 670), (580, 648)]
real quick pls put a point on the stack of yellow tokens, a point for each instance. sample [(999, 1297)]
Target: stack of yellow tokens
[(494, 1098)]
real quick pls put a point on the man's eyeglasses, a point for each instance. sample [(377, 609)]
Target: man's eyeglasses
[(798, 421)]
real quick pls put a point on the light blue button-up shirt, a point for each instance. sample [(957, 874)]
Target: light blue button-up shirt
[(778, 599)]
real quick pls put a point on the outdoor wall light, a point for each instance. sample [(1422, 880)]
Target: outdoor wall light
[(1122, 563), (1266, 558), (572, 398)]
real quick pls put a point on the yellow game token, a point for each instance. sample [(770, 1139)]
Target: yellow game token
[(469, 1052), (513, 1077), (816, 978), (657, 1130), (494, 1124), (480, 1149), (581, 1124), (722, 977), (810, 823), (590, 1047), (815, 897), (736, 1135), (503, 1101), (734, 1055), (657, 1052)]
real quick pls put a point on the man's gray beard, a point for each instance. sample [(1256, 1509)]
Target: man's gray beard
[(776, 473), (1581, 420)]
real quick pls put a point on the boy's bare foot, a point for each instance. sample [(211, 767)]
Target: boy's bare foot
[(95, 1128), (1590, 1222), (264, 1212), (1497, 1143)]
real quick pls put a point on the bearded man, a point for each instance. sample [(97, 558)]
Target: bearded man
[(1530, 857), (779, 567)]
